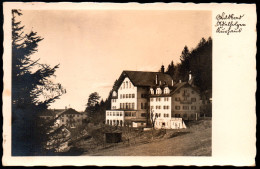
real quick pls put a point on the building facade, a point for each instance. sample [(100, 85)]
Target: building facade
[(70, 118), (139, 95)]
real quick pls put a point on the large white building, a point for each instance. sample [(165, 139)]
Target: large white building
[(140, 95)]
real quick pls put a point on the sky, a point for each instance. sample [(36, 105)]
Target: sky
[(93, 47)]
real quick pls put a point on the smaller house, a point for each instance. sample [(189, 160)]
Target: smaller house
[(70, 118)]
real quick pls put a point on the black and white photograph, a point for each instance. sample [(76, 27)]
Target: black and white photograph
[(111, 82)]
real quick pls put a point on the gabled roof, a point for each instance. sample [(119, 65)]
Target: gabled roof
[(177, 86), (70, 111), (145, 79)]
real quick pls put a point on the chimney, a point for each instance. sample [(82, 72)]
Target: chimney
[(179, 81), (172, 82), (156, 79), (162, 69)]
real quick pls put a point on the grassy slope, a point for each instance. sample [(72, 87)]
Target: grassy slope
[(193, 141)]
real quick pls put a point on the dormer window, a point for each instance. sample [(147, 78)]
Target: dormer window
[(114, 93), (158, 91), (166, 90), (123, 85), (126, 84), (151, 91)]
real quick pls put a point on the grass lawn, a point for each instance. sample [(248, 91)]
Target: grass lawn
[(193, 141)]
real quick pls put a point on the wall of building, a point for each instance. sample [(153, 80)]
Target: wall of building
[(112, 117), (126, 88), (161, 106), (186, 106), (142, 102), (65, 119)]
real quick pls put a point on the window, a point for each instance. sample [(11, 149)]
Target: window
[(120, 113), (120, 96), (117, 113), (130, 84), (152, 107), (177, 99), (127, 107), (145, 106), (133, 114), (185, 115), (166, 99), (142, 107), (127, 114), (113, 113), (143, 114), (151, 91), (107, 113), (121, 106), (166, 90), (129, 95), (123, 84), (192, 92), (159, 115), (123, 96), (126, 84), (133, 95), (193, 107), (185, 107), (143, 96), (177, 115), (159, 107), (193, 99), (158, 91), (133, 105), (107, 121), (177, 107), (166, 115), (126, 96)]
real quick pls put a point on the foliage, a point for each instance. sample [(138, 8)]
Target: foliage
[(170, 70), (198, 62), (32, 89)]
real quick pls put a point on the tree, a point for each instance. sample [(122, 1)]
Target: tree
[(185, 64), (92, 105), (153, 118), (32, 89), (171, 69)]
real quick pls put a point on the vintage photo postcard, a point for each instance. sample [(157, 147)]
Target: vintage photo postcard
[(129, 84)]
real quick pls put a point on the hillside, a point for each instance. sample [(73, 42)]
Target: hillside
[(193, 141)]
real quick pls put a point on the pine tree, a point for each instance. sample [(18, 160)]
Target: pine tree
[(171, 69), (32, 89)]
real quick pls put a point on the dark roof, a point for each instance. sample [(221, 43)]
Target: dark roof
[(47, 113), (141, 78), (70, 111)]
